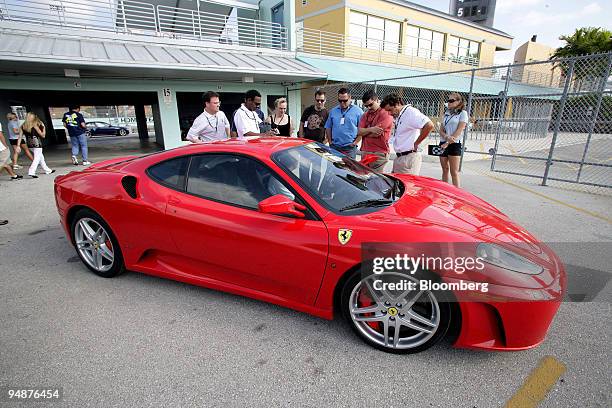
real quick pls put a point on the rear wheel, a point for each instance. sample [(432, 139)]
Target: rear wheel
[(403, 321), (96, 244), (122, 132)]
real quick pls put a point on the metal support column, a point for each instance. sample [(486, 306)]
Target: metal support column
[(141, 122), (502, 115), (469, 111), (602, 88), (568, 80)]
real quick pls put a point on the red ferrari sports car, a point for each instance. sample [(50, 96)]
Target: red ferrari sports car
[(286, 220)]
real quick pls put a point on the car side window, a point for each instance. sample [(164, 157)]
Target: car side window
[(171, 173), (233, 179)]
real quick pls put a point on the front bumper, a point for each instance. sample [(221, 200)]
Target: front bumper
[(508, 318)]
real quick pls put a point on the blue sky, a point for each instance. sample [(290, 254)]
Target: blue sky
[(547, 18)]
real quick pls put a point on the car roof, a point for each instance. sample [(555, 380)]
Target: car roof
[(255, 145)]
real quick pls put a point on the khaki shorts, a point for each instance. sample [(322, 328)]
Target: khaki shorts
[(5, 157), (408, 164)]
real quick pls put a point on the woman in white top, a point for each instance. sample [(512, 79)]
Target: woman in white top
[(279, 121), (451, 130), (34, 131)]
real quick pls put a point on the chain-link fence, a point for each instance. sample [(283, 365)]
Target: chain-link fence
[(548, 121)]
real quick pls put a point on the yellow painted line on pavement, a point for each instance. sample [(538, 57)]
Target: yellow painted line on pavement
[(484, 155), (538, 384), (516, 154), (571, 166), (554, 200)]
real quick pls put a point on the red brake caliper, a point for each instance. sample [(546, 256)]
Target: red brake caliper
[(364, 300)]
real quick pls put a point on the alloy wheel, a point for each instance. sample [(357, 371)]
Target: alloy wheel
[(94, 244), (398, 320)]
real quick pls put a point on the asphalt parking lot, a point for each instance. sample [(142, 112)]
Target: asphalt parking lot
[(599, 154), (137, 340)]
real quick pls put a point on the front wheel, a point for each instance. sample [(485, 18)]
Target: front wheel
[(96, 244), (399, 321)]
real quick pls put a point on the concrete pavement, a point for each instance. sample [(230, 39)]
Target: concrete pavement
[(141, 341)]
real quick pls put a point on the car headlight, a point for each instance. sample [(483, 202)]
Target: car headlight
[(498, 256)]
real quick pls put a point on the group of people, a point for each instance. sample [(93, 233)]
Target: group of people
[(28, 138), (249, 120), (346, 127), (390, 122)]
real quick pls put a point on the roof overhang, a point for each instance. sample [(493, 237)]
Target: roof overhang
[(384, 74), (48, 54)]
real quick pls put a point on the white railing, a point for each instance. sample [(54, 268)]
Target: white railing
[(140, 18), (318, 42)]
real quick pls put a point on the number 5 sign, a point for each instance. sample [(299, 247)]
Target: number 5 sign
[(167, 95)]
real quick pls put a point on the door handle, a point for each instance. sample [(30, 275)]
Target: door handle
[(174, 201)]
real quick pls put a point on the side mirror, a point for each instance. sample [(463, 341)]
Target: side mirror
[(280, 204)]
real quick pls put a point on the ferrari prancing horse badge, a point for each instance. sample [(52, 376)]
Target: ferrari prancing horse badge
[(344, 235)]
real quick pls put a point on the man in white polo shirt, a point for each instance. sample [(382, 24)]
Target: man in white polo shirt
[(410, 129), (246, 118), (212, 124)]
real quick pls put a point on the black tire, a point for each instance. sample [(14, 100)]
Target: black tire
[(117, 266), (445, 310), (122, 132), (88, 133)]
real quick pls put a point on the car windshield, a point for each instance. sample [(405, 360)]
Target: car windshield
[(335, 180)]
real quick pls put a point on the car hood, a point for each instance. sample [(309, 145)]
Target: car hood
[(431, 202)]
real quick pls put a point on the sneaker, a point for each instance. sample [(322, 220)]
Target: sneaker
[(86, 163), (16, 177), (17, 167), (50, 171), (75, 161), (3, 222), (33, 176)]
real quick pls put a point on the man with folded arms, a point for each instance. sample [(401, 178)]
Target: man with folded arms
[(410, 129), (374, 131)]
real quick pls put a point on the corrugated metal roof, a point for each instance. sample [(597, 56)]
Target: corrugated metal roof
[(24, 46), (351, 71)]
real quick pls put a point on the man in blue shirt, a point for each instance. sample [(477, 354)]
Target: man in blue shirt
[(342, 124), (74, 123)]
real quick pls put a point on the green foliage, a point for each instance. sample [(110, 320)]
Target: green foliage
[(586, 40)]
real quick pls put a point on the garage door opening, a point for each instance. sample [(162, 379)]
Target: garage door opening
[(119, 124)]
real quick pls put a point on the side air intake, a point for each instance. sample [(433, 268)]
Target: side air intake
[(129, 185)]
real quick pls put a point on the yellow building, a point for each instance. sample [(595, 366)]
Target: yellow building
[(395, 32), (537, 74)]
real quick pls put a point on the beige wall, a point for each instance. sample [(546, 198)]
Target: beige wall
[(334, 21), (430, 21), (337, 21), (313, 6), (538, 74)]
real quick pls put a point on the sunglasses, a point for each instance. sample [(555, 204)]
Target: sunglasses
[(320, 100), (343, 100), (368, 105), (451, 100)]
